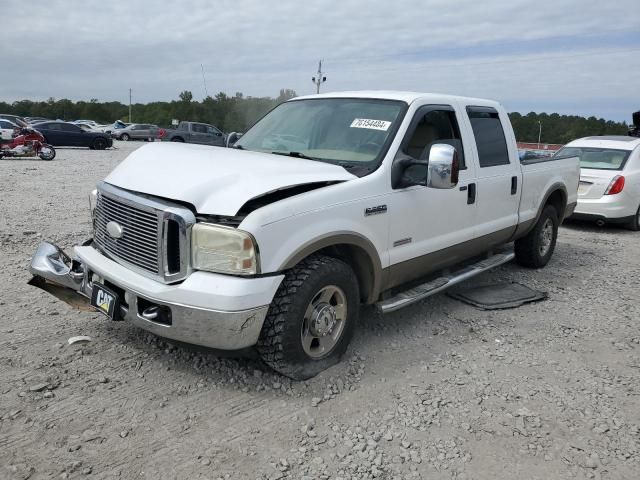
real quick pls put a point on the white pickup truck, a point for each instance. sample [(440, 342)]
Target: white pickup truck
[(328, 202)]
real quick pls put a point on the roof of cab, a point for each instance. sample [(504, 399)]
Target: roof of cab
[(408, 97), (619, 142)]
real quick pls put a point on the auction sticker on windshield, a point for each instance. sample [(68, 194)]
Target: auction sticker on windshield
[(371, 124)]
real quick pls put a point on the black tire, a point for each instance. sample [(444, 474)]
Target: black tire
[(99, 144), (125, 137), (281, 340), (50, 156), (177, 139), (634, 225), (532, 250)]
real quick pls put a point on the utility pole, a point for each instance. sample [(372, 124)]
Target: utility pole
[(129, 105), (539, 133), (320, 79)]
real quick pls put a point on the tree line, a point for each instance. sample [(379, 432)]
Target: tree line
[(238, 113)]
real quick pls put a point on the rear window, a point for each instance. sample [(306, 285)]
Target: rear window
[(596, 158), (489, 134)]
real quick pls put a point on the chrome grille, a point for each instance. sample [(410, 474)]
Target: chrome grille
[(139, 244), (154, 234)]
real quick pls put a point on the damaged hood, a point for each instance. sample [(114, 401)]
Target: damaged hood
[(215, 180)]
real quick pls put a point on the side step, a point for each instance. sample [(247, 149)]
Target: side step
[(434, 286)]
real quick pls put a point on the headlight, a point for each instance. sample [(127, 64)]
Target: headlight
[(223, 249)]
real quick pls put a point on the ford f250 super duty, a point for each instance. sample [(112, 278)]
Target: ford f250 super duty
[(328, 202)]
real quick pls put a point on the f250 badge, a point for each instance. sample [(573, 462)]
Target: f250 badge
[(377, 210)]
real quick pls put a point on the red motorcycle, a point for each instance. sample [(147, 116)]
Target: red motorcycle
[(28, 143)]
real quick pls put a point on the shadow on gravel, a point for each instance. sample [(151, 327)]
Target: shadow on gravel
[(591, 227)]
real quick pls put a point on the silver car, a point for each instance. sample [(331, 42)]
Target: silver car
[(136, 131)]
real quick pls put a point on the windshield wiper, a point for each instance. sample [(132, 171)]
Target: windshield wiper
[(349, 166), (239, 147), (295, 155)]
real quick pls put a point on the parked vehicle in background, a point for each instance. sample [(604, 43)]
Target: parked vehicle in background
[(328, 202), (194, 132), (634, 130), (28, 143), (21, 122), (63, 134), (136, 131), (34, 120), (8, 129), (609, 190)]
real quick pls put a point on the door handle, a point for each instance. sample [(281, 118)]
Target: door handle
[(471, 194), (514, 185)]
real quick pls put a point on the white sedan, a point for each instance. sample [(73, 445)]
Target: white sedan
[(7, 129), (609, 190)]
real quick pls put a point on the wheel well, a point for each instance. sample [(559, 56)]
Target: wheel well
[(361, 264), (558, 200)]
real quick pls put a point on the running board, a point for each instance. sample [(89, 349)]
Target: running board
[(434, 286)]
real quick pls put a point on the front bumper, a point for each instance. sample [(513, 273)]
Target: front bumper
[(212, 310)]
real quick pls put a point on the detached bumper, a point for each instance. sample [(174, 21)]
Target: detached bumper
[(208, 309)]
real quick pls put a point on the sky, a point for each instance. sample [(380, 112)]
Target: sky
[(567, 56)]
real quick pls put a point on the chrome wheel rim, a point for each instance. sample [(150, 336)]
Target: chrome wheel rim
[(46, 152), (324, 321), (546, 237)]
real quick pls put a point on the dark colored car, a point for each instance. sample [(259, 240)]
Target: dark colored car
[(634, 130), (62, 134)]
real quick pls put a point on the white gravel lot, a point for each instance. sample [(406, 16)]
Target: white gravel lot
[(439, 390)]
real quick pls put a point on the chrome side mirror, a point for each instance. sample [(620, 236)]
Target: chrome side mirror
[(444, 166), (232, 138)]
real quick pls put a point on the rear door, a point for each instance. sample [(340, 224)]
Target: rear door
[(499, 176), (52, 133), (144, 132), (199, 133)]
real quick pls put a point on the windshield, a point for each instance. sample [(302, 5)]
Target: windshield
[(345, 131), (596, 158)]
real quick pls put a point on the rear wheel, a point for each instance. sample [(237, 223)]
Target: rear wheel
[(177, 139), (99, 144), (125, 137), (536, 248), (635, 223), (311, 319)]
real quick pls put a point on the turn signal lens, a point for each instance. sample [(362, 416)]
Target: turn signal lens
[(616, 185)]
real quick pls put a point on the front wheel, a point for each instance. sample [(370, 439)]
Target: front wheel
[(47, 152), (99, 144), (311, 319), (535, 249), (124, 137)]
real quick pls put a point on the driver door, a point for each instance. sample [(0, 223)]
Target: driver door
[(428, 226)]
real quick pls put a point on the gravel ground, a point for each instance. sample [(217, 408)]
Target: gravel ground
[(438, 390)]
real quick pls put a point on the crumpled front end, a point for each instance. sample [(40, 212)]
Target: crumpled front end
[(208, 309)]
